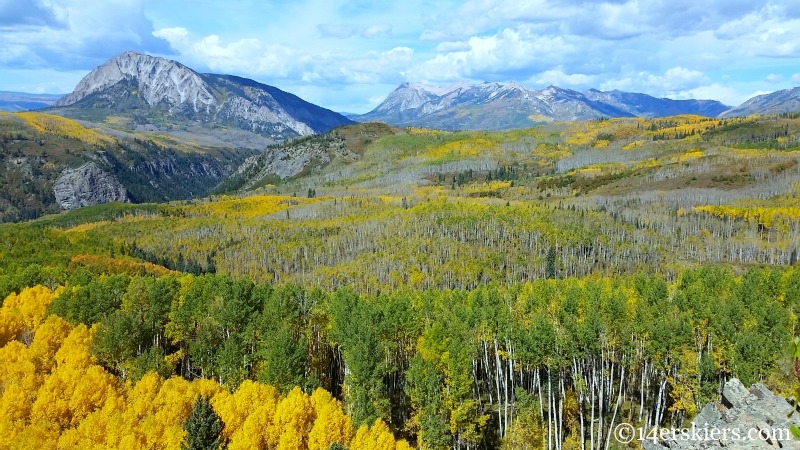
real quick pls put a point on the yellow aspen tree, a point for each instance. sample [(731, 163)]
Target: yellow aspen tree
[(47, 342), (32, 304), (247, 413), (294, 418), (376, 436), (76, 386), (253, 432), (331, 425), (39, 436), (127, 434), (20, 384), (11, 323)]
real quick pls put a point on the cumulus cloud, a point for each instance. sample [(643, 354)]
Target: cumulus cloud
[(73, 34), (773, 78), (670, 83), (714, 91), (275, 62), (557, 77), (34, 13), (485, 57)]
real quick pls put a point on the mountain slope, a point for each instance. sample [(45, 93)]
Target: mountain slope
[(22, 101), (784, 101), (499, 106), (49, 163), (643, 105), (165, 94), (309, 155)]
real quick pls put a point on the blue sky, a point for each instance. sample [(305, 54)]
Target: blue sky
[(348, 55)]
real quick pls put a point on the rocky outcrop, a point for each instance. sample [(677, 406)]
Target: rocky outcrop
[(87, 185), (743, 420), (290, 159)]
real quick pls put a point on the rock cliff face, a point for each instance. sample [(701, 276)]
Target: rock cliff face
[(87, 185), (158, 90), (744, 419)]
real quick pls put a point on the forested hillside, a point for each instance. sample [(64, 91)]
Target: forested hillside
[(36, 150), (521, 289)]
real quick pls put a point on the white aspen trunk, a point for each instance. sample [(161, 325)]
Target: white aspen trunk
[(642, 391), (549, 413), (561, 410), (486, 364), (581, 396), (538, 377), (591, 404), (497, 386), (510, 419), (616, 408), (599, 439)]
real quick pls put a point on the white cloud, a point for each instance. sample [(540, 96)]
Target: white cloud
[(487, 56), (557, 77), (452, 46), (773, 78), (74, 34), (676, 79), (714, 91), (256, 58), (376, 30), (796, 78)]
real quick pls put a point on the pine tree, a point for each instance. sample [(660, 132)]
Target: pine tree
[(204, 427)]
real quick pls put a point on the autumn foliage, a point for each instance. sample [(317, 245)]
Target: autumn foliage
[(53, 394)]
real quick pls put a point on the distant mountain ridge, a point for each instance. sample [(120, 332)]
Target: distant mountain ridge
[(154, 89), (778, 102), (23, 101), (497, 106)]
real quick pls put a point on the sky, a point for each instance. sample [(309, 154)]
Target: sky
[(348, 55)]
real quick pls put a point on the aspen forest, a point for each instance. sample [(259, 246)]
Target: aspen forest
[(525, 289)]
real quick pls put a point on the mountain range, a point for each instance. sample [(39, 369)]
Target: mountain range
[(160, 93), (22, 101), (784, 101), (499, 106), (147, 93)]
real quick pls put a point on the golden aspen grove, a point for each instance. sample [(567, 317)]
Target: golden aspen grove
[(524, 289)]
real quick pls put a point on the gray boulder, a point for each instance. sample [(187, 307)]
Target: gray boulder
[(743, 420)]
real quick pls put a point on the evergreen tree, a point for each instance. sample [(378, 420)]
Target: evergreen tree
[(204, 427)]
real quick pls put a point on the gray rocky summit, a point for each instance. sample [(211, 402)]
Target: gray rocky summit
[(158, 88), (744, 419), (87, 185)]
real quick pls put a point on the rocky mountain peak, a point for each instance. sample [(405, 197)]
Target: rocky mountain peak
[(152, 86), (158, 80), (498, 106)]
